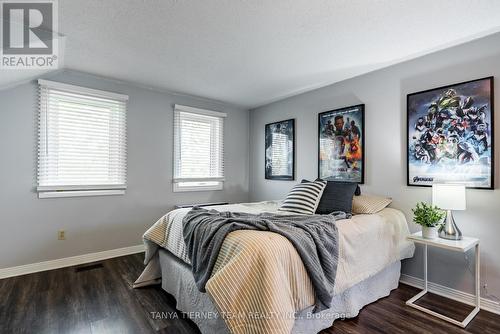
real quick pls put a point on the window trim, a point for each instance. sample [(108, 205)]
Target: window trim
[(193, 110), (79, 193), (176, 180), (80, 190), (179, 189), (82, 90)]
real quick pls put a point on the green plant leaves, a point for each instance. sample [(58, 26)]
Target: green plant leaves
[(427, 215)]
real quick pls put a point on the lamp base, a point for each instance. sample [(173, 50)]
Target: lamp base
[(450, 230)]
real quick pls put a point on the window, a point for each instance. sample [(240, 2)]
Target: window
[(82, 141), (198, 149)]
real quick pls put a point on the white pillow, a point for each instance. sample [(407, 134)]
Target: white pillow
[(304, 197)]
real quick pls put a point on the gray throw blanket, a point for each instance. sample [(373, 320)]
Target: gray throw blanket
[(315, 238)]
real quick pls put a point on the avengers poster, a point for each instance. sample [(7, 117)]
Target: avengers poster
[(450, 135), (341, 144)]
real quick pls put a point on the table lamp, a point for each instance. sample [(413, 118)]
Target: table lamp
[(449, 197)]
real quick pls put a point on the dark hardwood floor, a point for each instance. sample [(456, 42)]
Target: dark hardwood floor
[(99, 298)]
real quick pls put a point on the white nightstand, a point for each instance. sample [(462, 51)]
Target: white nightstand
[(459, 246)]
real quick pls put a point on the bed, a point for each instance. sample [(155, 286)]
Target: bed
[(259, 283)]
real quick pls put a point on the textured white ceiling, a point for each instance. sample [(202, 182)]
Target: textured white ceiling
[(251, 52)]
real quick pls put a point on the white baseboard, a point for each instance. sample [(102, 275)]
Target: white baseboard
[(69, 261), (460, 296)]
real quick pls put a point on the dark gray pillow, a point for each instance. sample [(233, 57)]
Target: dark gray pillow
[(337, 196)]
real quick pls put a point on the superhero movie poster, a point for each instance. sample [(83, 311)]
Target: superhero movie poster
[(341, 144), (450, 135), (280, 150)]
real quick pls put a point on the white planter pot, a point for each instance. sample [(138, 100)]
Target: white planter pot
[(430, 232)]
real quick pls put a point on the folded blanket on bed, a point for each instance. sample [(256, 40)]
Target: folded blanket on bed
[(315, 238)]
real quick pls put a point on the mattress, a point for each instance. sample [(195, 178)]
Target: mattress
[(367, 243)]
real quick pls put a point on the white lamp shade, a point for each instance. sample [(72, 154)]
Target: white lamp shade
[(448, 196)]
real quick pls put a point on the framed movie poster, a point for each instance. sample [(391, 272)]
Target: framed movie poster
[(280, 150), (450, 135), (341, 146)]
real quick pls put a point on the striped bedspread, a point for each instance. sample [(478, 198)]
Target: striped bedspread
[(259, 281), (314, 237)]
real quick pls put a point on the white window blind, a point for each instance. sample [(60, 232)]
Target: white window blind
[(82, 141), (198, 149)]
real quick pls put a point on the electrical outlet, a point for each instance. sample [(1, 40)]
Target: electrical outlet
[(61, 235)]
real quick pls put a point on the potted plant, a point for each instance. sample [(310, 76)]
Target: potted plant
[(429, 217)]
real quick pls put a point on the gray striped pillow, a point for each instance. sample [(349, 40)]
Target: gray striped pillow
[(304, 197)]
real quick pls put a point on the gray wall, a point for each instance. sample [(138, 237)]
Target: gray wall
[(384, 93), (29, 225)]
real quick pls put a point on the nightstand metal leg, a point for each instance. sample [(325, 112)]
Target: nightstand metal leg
[(426, 281), (411, 301), (477, 285), (478, 277), (477, 288), (472, 314)]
